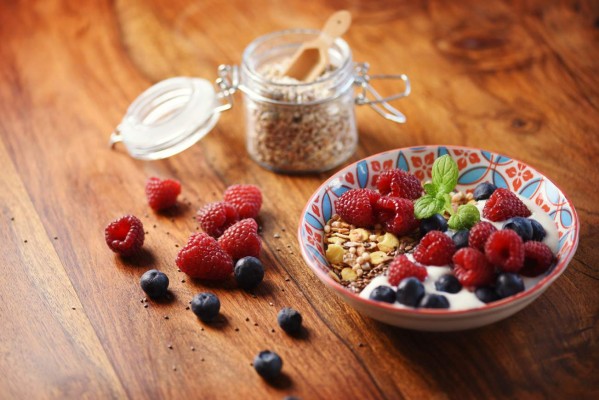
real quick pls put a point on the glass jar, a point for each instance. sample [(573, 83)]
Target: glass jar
[(291, 126)]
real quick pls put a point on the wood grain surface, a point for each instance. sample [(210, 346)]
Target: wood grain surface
[(516, 77)]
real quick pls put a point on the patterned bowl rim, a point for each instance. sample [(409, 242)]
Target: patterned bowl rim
[(503, 303)]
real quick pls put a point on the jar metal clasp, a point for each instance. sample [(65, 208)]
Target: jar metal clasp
[(378, 103)]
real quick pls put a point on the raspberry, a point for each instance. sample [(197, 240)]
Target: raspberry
[(472, 268), (241, 240), (479, 234), (399, 183), (396, 214), (435, 248), (505, 250), (125, 235), (203, 258), (538, 257), (503, 205), (357, 206), (215, 218), (162, 194), (247, 199), (401, 268)]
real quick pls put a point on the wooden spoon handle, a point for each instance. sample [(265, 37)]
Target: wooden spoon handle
[(336, 25)]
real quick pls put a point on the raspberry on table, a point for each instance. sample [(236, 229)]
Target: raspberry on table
[(357, 206), (504, 204), (125, 235), (397, 215), (505, 250), (399, 183), (435, 248), (538, 257), (203, 258), (472, 268), (162, 193), (241, 239), (479, 234), (247, 199), (401, 268), (215, 218)]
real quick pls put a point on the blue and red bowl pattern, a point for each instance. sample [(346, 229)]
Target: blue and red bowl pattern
[(475, 166)]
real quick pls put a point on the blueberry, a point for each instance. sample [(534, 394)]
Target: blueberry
[(538, 232), (154, 283), (410, 291), (484, 190), (460, 238), (486, 294), (248, 272), (434, 223), (448, 283), (521, 226), (383, 293), (268, 364), (206, 306), (432, 300), (290, 320), (509, 284)]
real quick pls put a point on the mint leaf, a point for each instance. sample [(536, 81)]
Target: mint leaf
[(430, 188), (427, 206), (448, 205), (465, 217), (445, 174)]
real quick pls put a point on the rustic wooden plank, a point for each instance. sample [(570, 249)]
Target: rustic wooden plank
[(49, 348)]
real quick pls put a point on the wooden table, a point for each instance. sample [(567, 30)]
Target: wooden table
[(515, 77)]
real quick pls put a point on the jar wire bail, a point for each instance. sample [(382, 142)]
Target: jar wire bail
[(362, 79)]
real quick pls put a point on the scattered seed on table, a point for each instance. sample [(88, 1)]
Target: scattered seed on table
[(283, 229), (236, 329), (202, 360), (276, 236), (146, 306), (166, 317), (73, 308), (170, 346), (187, 308), (360, 344), (12, 218), (174, 368), (255, 324), (202, 328), (247, 319), (55, 237), (270, 304), (272, 330), (287, 279), (182, 280), (25, 241), (176, 245)]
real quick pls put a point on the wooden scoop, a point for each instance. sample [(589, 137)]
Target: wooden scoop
[(311, 59)]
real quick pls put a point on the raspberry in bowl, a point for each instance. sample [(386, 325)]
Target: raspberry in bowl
[(478, 241)]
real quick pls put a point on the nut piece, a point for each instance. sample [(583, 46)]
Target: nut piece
[(358, 235), (378, 257), (388, 242), (336, 240), (348, 274), (335, 254)]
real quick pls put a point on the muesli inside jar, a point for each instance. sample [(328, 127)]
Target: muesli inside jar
[(295, 126)]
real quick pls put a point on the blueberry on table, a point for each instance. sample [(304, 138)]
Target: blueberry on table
[(486, 294), (484, 190), (268, 364), (434, 223), (522, 226), (248, 272), (154, 283), (538, 232), (410, 291), (433, 300), (448, 283), (289, 320), (460, 238), (383, 293), (206, 306), (508, 284)]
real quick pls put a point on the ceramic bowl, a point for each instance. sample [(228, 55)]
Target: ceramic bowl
[(475, 166)]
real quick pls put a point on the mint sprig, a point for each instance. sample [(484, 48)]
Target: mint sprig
[(464, 218), (437, 199)]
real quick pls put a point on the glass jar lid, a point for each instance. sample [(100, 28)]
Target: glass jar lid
[(168, 118)]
